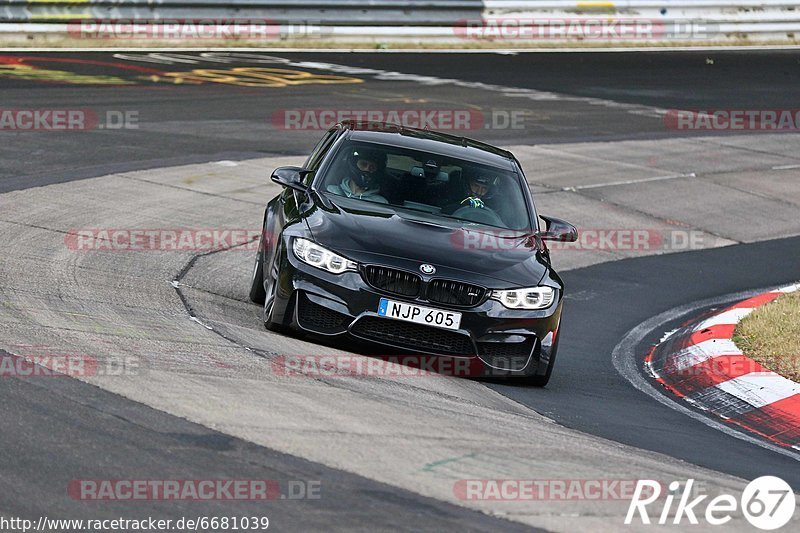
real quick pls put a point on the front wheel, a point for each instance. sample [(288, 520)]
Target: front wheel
[(257, 292), (269, 300), (542, 380)]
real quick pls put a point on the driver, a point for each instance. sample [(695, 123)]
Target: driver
[(364, 167), (478, 190)]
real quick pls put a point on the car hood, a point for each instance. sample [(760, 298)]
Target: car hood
[(380, 234)]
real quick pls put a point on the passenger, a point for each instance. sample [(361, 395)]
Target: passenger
[(365, 166)]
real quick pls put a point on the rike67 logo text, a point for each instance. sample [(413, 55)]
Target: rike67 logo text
[(767, 503)]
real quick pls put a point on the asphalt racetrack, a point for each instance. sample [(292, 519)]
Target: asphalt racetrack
[(189, 140), (180, 123)]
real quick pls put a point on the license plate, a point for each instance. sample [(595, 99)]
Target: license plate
[(419, 314)]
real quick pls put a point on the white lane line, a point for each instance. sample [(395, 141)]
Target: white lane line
[(760, 388), (785, 167), (394, 76), (731, 316), (630, 182), (626, 363), (698, 353)]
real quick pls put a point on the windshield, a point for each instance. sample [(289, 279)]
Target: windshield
[(438, 185)]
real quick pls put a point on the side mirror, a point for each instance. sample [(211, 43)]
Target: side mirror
[(291, 177), (558, 230)]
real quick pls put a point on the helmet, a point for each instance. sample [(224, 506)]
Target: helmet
[(431, 171), (365, 164), (481, 186)]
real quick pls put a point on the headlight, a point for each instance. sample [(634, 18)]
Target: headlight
[(532, 298), (315, 255)]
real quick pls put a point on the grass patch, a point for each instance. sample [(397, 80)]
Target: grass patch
[(771, 335)]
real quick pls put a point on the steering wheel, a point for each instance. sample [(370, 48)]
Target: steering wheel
[(484, 215)]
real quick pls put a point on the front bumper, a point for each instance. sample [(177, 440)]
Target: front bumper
[(492, 340)]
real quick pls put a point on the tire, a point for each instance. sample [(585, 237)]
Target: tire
[(542, 380), (257, 292), (269, 299)]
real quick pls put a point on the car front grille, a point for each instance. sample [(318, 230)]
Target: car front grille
[(413, 336), (315, 317), (449, 292), (392, 280)]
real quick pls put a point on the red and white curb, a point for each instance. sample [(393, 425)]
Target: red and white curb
[(701, 364)]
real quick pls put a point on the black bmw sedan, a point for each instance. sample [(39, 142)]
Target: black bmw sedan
[(416, 240)]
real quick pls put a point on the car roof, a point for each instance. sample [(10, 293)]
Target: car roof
[(429, 141)]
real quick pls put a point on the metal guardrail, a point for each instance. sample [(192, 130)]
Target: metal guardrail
[(426, 20), (686, 20), (344, 12)]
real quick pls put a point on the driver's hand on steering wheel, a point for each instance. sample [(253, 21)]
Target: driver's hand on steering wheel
[(473, 201)]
